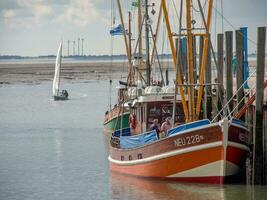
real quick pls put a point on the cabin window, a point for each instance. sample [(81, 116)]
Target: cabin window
[(139, 156), (130, 157), (122, 158)]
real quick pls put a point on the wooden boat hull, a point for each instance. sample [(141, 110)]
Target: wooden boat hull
[(199, 155), (113, 120)]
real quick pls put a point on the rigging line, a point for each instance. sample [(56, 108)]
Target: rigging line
[(215, 25), (176, 12), (195, 9), (214, 102), (227, 103), (157, 55), (139, 36), (178, 63), (235, 28), (163, 40)]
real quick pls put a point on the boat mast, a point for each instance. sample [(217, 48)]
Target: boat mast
[(179, 64), (131, 78), (174, 57), (140, 60), (148, 70), (156, 34), (204, 54), (130, 49), (190, 63)]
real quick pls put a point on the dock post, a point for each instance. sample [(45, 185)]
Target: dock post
[(265, 141), (258, 151), (208, 94), (244, 31), (180, 57), (240, 69), (229, 74), (220, 88)]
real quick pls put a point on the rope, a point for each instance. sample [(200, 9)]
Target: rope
[(235, 28)]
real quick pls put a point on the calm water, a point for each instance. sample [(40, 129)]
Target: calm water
[(56, 150)]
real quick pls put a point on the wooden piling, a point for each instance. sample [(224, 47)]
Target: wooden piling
[(240, 69), (180, 59), (265, 141), (167, 76), (229, 74), (220, 88), (258, 151), (208, 95)]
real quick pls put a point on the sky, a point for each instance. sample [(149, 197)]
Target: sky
[(36, 27)]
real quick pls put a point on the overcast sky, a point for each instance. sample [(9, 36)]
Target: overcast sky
[(35, 27)]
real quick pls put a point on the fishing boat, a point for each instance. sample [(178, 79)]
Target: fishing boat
[(196, 148), (118, 116), (57, 94)]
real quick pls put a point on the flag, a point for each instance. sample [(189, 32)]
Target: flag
[(118, 30)]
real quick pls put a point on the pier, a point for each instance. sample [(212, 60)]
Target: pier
[(249, 103)]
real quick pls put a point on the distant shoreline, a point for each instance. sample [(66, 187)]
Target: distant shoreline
[(86, 57), (72, 71)]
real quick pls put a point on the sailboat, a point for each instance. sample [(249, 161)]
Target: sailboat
[(194, 149), (57, 94)]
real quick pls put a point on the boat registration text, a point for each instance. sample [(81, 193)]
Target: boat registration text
[(188, 140)]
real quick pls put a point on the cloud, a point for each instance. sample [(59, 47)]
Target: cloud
[(27, 13), (79, 12)]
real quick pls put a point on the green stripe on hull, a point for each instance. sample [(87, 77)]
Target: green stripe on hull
[(117, 121)]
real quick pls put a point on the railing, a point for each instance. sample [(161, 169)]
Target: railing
[(226, 106)]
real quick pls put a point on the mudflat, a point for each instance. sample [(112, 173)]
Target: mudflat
[(35, 73)]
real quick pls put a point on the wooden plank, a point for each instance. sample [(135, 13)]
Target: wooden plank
[(239, 70), (229, 74), (258, 151), (220, 60), (207, 96)]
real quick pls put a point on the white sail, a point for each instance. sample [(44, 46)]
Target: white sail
[(57, 71)]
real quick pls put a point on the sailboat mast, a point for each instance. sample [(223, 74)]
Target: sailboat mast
[(60, 59), (148, 67)]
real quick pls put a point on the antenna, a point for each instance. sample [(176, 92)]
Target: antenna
[(82, 45), (78, 46)]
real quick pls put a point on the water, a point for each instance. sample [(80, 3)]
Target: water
[(56, 150)]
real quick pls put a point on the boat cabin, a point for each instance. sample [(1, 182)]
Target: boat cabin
[(155, 102)]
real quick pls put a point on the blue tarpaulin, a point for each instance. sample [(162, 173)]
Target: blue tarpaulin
[(122, 132), (188, 126), (128, 142)]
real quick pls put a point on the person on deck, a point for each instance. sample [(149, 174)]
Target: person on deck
[(134, 125), (166, 126), (155, 126)]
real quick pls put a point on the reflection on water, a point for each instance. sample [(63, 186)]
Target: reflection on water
[(125, 187), (137, 188)]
